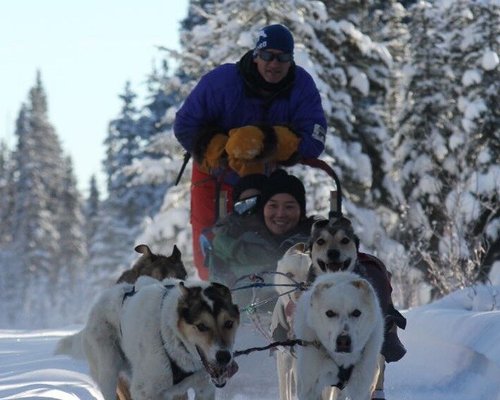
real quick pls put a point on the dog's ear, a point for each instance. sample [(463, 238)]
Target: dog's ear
[(360, 284), (339, 222), (143, 249), (222, 290), (320, 288), (320, 224), (176, 254), (184, 290), (347, 225), (316, 227), (298, 248)]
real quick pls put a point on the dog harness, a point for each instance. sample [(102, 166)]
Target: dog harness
[(130, 293), (178, 374), (343, 376)]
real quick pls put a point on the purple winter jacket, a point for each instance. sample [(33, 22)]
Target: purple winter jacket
[(220, 100)]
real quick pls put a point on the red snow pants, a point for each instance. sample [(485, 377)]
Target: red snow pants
[(205, 191)]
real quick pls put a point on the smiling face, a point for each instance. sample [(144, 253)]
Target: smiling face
[(334, 245), (281, 213), (272, 71)]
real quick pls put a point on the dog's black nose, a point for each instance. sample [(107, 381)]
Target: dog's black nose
[(223, 357), (333, 254), (343, 344)]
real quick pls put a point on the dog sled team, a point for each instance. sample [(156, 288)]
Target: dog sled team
[(157, 333)]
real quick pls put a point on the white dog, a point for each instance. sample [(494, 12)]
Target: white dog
[(292, 267), (341, 320), (166, 338)]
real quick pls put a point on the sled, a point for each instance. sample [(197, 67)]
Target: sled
[(220, 272)]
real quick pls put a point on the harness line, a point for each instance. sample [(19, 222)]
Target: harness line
[(290, 343)]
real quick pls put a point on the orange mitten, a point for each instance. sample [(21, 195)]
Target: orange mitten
[(214, 152), (245, 143), (288, 143), (243, 168)]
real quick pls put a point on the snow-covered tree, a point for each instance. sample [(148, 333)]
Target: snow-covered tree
[(70, 225), (159, 168), (352, 73), (37, 192), (7, 195), (38, 162), (449, 163), (123, 145), (91, 211)]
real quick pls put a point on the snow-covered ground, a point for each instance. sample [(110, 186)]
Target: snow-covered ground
[(453, 354)]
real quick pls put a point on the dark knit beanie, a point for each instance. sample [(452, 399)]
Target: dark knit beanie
[(252, 181), (276, 37), (281, 182)]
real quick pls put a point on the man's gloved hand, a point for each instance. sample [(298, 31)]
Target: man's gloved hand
[(245, 143), (215, 152), (288, 144), (243, 167)]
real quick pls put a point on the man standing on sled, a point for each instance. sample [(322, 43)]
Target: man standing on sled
[(247, 118)]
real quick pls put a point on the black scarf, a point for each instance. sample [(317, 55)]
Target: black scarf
[(257, 86)]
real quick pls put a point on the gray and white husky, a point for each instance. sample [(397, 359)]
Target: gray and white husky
[(165, 337)]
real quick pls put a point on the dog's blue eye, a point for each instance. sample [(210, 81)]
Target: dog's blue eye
[(356, 313), (228, 324), (331, 314), (202, 327), (345, 241)]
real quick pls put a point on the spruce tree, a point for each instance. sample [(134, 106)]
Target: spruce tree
[(91, 211), (38, 188), (7, 196), (446, 156)]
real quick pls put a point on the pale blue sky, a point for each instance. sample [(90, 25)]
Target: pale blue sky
[(86, 51)]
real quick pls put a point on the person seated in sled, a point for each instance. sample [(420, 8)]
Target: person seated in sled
[(246, 199), (253, 240), (244, 118)]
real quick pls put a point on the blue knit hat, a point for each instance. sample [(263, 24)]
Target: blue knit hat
[(275, 36)]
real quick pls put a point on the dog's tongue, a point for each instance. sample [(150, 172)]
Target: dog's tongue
[(334, 267), (222, 376), (232, 369)]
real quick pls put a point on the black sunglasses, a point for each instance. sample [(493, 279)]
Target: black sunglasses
[(281, 57), (246, 206)]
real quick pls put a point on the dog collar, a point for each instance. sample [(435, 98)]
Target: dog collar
[(129, 293), (343, 376), (178, 374)]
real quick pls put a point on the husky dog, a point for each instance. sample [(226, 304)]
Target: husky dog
[(157, 266), (333, 247), (166, 338), (341, 321)]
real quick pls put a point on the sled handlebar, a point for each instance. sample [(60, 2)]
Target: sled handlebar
[(335, 211)]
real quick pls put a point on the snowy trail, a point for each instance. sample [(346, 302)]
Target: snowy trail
[(452, 355), (29, 370)]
